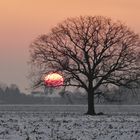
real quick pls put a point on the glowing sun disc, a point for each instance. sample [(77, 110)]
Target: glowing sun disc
[(53, 80)]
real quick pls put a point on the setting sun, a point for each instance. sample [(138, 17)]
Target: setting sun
[(53, 80)]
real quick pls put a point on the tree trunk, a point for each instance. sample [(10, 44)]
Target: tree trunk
[(91, 107)]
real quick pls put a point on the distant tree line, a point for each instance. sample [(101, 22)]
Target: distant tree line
[(12, 95), (112, 95), (119, 95)]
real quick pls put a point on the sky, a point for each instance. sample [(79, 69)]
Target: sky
[(21, 21)]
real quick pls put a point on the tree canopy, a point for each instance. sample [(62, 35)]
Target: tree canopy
[(89, 52)]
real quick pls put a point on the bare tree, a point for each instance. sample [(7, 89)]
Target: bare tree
[(89, 52)]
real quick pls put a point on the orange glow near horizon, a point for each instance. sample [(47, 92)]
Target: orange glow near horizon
[(53, 80)]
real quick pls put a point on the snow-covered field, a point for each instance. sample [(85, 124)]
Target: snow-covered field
[(26, 123)]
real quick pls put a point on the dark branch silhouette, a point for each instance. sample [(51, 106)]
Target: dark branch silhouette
[(89, 52)]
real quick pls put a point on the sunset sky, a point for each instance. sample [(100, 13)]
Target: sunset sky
[(21, 21)]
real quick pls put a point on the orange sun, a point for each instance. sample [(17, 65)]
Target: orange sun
[(53, 80)]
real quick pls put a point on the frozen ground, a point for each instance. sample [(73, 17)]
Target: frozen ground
[(65, 125)]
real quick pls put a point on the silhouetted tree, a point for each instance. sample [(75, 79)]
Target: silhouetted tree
[(89, 52)]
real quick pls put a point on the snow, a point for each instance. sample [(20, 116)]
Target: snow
[(28, 125)]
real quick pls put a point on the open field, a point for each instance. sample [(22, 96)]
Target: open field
[(68, 123), (70, 108)]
